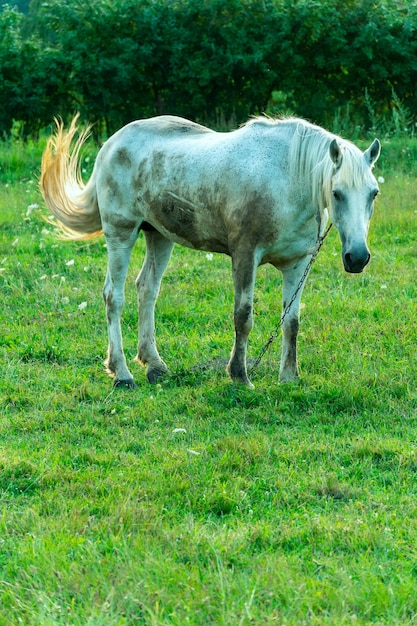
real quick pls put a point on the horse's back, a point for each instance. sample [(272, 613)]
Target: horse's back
[(170, 124), (163, 128)]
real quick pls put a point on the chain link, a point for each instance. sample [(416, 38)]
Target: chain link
[(285, 312)]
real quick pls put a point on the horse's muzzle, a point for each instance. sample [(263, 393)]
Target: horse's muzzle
[(355, 263)]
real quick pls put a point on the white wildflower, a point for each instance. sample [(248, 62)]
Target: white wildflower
[(82, 306), (179, 430), (209, 256), (65, 300), (31, 208), (71, 262), (381, 179)]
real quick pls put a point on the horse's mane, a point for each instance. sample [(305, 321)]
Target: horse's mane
[(310, 161)]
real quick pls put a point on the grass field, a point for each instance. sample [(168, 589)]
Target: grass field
[(197, 501)]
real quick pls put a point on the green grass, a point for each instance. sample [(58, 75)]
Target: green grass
[(197, 501)]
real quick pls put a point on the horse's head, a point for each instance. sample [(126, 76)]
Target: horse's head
[(351, 202)]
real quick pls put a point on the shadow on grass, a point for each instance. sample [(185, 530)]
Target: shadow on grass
[(214, 369), (294, 398)]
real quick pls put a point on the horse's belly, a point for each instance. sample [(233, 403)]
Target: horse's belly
[(184, 223), (209, 244)]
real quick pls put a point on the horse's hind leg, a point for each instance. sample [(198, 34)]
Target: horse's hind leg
[(119, 251), (158, 253)]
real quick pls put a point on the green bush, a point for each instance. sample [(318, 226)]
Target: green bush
[(216, 61)]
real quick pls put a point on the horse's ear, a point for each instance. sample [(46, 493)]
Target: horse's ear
[(335, 153), (373, 152)]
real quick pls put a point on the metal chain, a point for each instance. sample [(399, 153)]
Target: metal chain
[(285, 312)]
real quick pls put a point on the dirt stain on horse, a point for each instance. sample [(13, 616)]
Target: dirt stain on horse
[(123, 157), (176, 215)]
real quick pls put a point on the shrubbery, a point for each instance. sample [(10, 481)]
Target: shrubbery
[(216, 61)]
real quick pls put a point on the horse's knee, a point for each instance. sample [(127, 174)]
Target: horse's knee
[(290, 330), (244, 319), (113, 301)]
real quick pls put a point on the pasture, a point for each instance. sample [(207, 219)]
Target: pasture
[(196, 500)]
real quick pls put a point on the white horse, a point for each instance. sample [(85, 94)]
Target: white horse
[(261, 194)]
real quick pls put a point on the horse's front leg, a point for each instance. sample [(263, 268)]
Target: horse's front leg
[(291, 283), (158, 253), (244, 264)]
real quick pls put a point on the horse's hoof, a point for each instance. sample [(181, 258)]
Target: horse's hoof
[(243, 382), (155, 375), (288, 380), (125, 384)]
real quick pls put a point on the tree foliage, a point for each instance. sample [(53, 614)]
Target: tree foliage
[(209, 60)]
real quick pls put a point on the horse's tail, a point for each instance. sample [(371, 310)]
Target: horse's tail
[(73, 204)]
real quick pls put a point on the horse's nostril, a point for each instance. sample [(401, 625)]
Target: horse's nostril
[(349, 262)]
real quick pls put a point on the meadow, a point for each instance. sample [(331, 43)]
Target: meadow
[(197, 501)]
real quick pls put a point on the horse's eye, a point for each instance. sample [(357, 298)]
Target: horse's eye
[(337, 195)]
